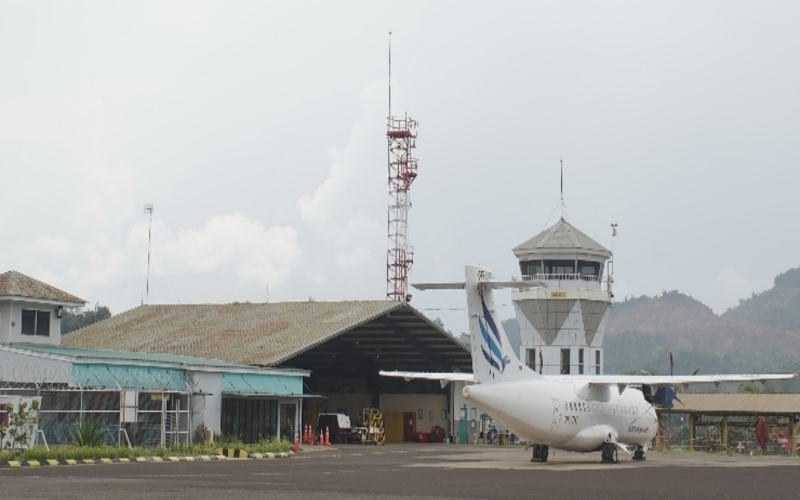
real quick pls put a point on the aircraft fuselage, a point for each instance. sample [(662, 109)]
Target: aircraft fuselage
[(567, 415)]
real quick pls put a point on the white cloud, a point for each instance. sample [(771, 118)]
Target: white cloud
[(191, 15), (53, 245), (347, 210), (257, 254)]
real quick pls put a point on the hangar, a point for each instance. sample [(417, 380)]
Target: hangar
[(342, 344)]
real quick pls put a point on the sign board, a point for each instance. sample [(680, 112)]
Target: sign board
[(558, 295)]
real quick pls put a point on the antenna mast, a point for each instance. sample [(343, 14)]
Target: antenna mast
[(148, 209), (401, 135)]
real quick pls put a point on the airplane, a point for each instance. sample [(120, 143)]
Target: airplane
[(580, 413)]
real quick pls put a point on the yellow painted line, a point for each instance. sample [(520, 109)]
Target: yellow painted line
[(157, 459), (141, 459), (51, 461), (33, 463), (124, 459), (205, 457), (88, 461), (173, 459), (71, 461), (270, 455), (221, 457), (189, 459), (106, 460), (283, 455), (242, 454), (256, 455), (14, 463)]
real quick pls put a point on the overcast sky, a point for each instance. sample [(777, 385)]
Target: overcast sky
[(257, 129)]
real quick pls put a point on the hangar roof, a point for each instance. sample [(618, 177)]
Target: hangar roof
[(17, 285), (738, 403), (370, 334)]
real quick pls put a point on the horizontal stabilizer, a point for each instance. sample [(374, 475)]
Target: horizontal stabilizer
[(460, 285), (439, 286)]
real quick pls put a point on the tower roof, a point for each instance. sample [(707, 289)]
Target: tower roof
[(561, 236), (16, 284)]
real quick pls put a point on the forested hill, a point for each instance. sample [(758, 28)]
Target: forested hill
[(761, 334), (779, 306)]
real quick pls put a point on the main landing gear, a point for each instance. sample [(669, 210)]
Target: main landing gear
[(540, 453), (639, 453), (608, 453)]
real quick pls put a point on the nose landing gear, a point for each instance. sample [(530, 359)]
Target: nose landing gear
[(540, 453)]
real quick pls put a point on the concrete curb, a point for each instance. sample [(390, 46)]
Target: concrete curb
[(238, 454)]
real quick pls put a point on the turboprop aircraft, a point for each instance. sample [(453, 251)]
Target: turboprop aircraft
[(581, 413)]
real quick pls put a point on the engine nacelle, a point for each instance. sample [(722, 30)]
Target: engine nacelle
[(664, 396)]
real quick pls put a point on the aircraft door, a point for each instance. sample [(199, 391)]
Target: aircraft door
[(556, 416)]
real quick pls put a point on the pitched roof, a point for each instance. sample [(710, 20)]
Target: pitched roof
[(16, 284), (254, 334), (561, 236), (738, 403)]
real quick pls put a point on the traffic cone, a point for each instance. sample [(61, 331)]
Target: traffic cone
[(305, 434), (327, 437), (321, 441), (296, 447)]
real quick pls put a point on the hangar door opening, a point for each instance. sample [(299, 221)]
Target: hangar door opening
[(415, 417)]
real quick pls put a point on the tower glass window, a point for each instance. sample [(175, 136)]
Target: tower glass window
[(597, 362), (565, 362), (580, 361), (530, 358)]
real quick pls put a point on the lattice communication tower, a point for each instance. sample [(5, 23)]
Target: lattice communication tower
[(402, 135)]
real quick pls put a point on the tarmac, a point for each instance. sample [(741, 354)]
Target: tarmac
[(417, 472)]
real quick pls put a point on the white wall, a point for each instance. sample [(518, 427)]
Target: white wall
[(11, 323), (207, 409), (31, 367)]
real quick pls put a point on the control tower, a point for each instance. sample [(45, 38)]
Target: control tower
[(562, 324)]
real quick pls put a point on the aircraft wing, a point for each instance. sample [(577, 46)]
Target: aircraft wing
[(670, 380), (440, 376)]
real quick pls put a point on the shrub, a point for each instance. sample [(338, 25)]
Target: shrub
[(87, 434)]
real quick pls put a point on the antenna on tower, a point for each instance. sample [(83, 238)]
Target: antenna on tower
[(563, 205), (148, 209), (401, 135)]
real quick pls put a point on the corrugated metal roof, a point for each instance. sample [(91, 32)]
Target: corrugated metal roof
[(16, 284), (561, 236), (737, 403), (79, 354), (253, 334)]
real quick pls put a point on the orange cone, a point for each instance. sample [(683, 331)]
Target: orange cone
[(327, 437), (305, 434), (296, 447), (321, 441)]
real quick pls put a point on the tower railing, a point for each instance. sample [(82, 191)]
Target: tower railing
[(590, 281)]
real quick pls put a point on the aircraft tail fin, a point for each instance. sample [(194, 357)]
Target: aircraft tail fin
[(493, 358)]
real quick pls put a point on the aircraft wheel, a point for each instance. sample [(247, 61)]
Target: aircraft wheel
[(614, 457), (543, 453), (535, 453)]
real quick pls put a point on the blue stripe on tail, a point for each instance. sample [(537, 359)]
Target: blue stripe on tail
[(490, 320)]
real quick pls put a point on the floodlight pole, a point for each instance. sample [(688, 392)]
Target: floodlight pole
[(148, 209)]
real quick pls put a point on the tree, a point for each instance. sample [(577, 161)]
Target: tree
[(77, 319)]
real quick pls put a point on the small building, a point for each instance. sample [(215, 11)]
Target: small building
[(136, 398), (562, 324)]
